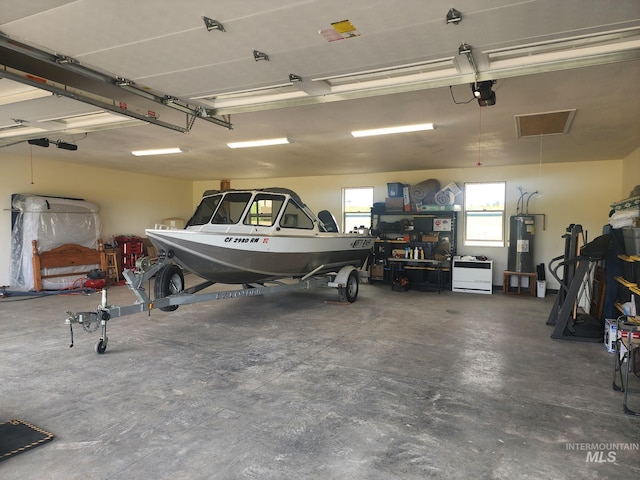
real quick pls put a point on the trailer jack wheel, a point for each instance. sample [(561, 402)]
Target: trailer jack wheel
[(101, 346)]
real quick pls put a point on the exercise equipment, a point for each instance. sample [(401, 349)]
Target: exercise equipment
[(577, 264), (572, 241)]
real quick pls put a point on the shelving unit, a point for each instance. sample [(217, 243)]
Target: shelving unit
[(520, 288), (628, 282), (625, 290), (627, 337), (432, 233)]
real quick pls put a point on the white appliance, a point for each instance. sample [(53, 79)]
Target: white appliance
[(472, 276)]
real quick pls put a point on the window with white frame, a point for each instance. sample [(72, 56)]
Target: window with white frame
[(356, 207), (484, 210)]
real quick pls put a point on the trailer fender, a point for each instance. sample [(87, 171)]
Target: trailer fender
[(342, 277)]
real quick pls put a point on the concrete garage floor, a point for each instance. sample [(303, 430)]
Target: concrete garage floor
[(399, 385)]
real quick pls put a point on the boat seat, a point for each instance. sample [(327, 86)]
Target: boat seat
[(328, 221), (289, 221)]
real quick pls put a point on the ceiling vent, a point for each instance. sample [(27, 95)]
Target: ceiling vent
[(546, 123)]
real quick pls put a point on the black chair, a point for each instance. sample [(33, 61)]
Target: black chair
[(328, 221)]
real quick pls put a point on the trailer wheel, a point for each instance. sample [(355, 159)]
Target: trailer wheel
[(169, 280), (349, 293)]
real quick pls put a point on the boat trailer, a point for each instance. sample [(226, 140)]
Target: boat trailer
[(170, 293)]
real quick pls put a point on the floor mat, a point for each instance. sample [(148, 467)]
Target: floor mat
[(17, 436)]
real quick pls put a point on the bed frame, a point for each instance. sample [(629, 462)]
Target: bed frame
[(69, 255)]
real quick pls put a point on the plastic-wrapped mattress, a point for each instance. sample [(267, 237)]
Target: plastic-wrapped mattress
[(52, 221)]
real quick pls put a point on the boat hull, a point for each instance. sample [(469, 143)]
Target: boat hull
[(247, 258)]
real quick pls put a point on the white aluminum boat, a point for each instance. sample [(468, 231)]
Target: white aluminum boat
[(251, 237), (248, 236)]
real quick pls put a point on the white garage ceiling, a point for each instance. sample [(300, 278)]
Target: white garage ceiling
[(392, 63)]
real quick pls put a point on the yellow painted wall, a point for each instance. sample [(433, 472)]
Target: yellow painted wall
[(579, 192), (631, 172), (128, 202), (569, 193)]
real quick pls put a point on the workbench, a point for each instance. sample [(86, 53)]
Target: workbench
[(398, 265)]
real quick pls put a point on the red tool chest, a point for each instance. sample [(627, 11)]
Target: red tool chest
[(131, 249)]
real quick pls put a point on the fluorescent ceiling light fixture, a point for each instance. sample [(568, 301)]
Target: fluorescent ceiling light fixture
[(157, 151), (68, 117), (386, 131), (15, 92), (259, 143), (15, 132)]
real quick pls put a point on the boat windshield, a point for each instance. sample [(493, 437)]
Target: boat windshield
[(295, 217), (264, 209), (231, 208), (205, 210)]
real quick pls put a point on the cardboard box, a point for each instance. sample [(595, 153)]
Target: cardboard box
[(377, 272), (454, 188), (433, 237), (394, 204), (610, 335)]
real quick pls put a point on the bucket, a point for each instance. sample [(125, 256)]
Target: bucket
[(394, 189), (541, 288)]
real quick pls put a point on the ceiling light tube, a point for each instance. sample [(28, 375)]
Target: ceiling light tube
[(66, 117), (15, 132), (157, 151), (16, 124), (259, 143), (23, 95), (400, 129)]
